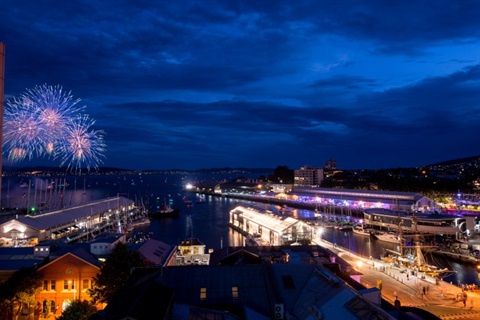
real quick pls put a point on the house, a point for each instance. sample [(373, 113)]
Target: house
[(102, 245), (156, 253)]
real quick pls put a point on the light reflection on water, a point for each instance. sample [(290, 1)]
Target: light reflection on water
[(207, 221)]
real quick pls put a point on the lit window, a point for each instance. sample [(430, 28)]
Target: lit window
[(85, 284), (203, 293), (235, 292)]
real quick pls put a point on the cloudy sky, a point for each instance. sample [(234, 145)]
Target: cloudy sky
[(201, 84)]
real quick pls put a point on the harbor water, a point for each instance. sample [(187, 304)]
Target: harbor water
[(206, 220)]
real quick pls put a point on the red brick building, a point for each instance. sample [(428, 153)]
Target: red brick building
[(65, 279)]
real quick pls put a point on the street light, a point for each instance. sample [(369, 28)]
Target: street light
[(320, 232)]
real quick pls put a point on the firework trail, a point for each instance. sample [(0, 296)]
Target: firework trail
[(45, 121)]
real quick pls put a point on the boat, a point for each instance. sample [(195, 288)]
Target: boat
[(387, 237), (413, 223), (359, 229), (165, 211), (412, 257), (344, 227)]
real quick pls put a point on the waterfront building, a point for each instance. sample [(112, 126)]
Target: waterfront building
[(308, 176), (362, 199), (74, 222), (270, 228), (192, 251)]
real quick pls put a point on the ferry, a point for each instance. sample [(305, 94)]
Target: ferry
[(417, 223)]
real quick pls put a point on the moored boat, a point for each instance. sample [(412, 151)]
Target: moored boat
[(358, 229), (387, 237), (165, 211)]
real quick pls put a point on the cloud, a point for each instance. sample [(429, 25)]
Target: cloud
[(219, 83)]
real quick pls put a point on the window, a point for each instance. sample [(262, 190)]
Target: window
[(45, 285), (235, 293), (65, 284), (25, 309), (52, 285), (203, 293), (86, 283)]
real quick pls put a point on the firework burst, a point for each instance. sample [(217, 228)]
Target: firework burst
[(45, 121), (82, 145), (22, 133)]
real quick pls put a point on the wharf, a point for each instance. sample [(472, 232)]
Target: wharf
[(440, 298)]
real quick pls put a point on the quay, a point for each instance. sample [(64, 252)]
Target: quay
[(397, 286)]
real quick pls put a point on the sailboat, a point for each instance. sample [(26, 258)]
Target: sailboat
[(412, 257)]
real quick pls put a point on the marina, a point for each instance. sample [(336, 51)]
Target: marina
[(208, 221)]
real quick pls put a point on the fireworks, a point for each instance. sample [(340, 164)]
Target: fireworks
[(46, 121), (82, 145)]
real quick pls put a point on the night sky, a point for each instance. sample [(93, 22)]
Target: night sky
[(202, 84)]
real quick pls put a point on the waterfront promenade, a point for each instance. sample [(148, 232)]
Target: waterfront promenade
[(442, 299)]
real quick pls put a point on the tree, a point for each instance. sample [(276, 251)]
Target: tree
[(78, 310), (282, 174), (114, 273), (19, 291)]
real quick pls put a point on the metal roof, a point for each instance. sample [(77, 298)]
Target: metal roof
[(70, 215), (345, 193), (273, 222)]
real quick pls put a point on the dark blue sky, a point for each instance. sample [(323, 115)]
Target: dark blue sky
[(195, 84)]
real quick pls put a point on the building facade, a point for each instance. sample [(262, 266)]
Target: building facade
[(308, 176), (64, 280)]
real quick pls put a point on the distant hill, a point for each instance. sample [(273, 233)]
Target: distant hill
[(105, 170), (466, 166), (468, 160), (468, 163)]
